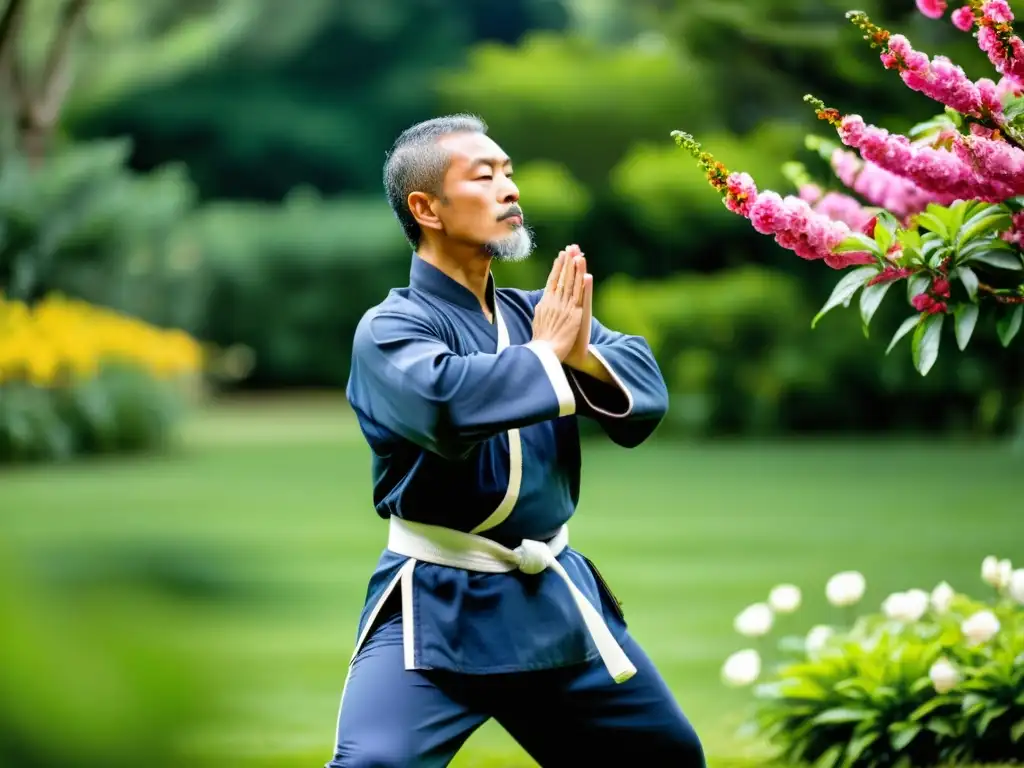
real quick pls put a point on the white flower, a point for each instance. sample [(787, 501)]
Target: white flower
[(990, 571), (845, 588), (785, 598), (755, 620), (942, 597), (917, 600), (905, 606), (817, 638), (944, 676), (742, 668), (1017, 585), (1005, 573), (980, 627)]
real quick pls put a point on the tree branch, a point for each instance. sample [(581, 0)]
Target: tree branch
[(10, 22), (57, 74)]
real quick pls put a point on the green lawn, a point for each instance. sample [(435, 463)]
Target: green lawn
[(687, 535)]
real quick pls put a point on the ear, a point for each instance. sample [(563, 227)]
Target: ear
[(423, 208)]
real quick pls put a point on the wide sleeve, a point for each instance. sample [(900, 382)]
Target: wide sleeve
[(405, 379), (630, 409)]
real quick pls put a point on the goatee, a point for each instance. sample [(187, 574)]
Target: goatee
[(516, 247)]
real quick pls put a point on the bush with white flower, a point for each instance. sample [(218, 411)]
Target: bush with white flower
[(931, 678)]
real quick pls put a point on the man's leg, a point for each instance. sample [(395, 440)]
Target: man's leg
[(580, 716), (393, 718)]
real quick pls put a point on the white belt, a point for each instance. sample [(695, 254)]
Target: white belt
[(444, 546)]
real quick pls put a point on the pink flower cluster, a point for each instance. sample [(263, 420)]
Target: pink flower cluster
[(1015, 234), (942, 80), (985, 171), (933, 9), (836, 206), (795, 225), (898, 195), (1006, 56)]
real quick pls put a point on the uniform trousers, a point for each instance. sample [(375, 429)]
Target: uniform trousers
[(571, 716)]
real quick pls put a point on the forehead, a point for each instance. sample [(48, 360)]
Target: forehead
[(471, 149)]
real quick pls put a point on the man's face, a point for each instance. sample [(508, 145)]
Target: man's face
[(480, 203)]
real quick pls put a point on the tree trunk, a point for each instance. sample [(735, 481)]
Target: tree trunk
[(37, 109)]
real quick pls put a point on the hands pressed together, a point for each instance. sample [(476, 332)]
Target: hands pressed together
[(562, 317)]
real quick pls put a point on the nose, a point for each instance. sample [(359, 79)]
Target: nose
[(509, 192)]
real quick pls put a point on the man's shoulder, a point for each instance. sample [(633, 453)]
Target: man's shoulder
[(398, 308)]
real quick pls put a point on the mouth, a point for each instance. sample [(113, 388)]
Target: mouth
[(514, 219)]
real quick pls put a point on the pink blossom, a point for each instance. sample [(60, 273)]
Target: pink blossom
[(810, 192), (963, 18), (742, 192), (933, 9), (898, 195), (997, 12), (939, 79), (799, 228), (994, 160), (933, 169), (840, 207), (1015, 234), (1007, 57), (1009, 85)]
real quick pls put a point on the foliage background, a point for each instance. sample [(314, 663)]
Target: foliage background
[(215, 166)]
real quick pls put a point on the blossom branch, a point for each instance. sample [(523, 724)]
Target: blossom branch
[(938, 78)]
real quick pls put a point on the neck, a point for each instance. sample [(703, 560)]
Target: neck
[(469, 269)]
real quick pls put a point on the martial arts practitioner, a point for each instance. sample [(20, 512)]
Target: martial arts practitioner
[(468, 396)]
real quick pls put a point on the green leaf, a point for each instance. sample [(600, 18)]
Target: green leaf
[(941, 726), (871, 299), (970, 280), (903, 330), (857, 746), (910, 239), (999, 258), (844, 715), (844, 290), (830, 757), (1009, 324), (885, 230), (966, 316), (929, 706), (991, 219), (932, 223), (1017, 731), (856, 242), (917, 284), (954, 117), (901, 739), (926, 343), (989, 715)]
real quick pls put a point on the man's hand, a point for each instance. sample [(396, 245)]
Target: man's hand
[(557, 317), (577, 356)]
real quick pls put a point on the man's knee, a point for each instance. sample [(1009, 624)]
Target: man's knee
[(391, 751)]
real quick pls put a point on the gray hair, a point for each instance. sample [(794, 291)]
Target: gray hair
[(417, 164)]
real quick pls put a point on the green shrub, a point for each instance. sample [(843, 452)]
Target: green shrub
[(291, 281), (84, 225), (78, 380), (930, 680)]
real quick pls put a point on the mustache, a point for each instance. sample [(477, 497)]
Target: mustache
[(515, 210)]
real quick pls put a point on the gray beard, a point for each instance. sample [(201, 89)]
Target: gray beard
[(516, 247)]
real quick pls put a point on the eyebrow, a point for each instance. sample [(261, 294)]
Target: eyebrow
[(491, 161)]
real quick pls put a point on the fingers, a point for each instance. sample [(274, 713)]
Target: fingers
[(566, 277), (580, 264), (556, 272)]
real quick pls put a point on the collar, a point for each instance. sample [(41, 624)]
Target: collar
[(424, 276)]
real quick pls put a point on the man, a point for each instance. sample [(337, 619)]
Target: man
[(468, 397)]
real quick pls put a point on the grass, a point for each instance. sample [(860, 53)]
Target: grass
[(686, 534)]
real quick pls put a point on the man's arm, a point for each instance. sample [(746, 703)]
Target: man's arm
[(407, 380), (620, 385)]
